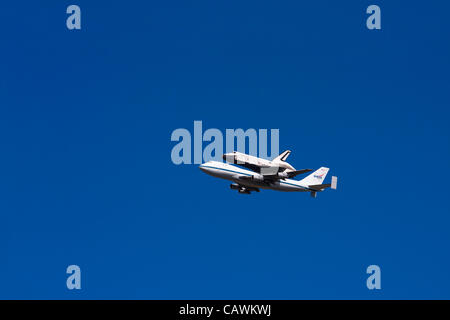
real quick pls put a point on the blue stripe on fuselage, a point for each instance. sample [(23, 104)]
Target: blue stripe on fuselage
[(247, 174)]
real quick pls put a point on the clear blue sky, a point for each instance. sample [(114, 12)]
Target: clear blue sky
[(86, 176)]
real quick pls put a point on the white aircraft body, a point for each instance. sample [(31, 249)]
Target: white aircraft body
[(266, 174), (259, 164)]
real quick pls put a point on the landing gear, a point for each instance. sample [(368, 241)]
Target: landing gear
[(313, 194), (243, 189)]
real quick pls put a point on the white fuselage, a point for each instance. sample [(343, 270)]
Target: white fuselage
[(236, 174)]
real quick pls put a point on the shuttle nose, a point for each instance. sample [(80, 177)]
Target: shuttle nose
[(203, 168), (229, 157)]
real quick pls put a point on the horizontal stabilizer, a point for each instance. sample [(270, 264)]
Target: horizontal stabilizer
[(334, 182), (319, 187)]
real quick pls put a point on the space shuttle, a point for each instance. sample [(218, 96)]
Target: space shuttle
[(278, 167)]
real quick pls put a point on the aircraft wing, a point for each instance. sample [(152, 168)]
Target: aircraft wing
[(242, 177), (286, 174), (271, 176), (292, 174)]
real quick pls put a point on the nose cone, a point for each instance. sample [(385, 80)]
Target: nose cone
[(208, 167), (203, 168)]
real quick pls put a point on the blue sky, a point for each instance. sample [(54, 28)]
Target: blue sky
[(86, 175)]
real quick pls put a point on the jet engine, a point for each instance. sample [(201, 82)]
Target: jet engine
[(258, 177), (282, 175)]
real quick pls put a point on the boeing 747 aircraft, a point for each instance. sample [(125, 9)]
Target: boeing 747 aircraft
[(266, 174)]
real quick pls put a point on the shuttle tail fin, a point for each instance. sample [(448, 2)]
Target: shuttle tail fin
[(283, 156)]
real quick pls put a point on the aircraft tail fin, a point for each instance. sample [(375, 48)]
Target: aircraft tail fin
[(283, 156), (315, 178), (320, 187)]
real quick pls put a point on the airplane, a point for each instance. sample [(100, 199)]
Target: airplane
[(273, 174)]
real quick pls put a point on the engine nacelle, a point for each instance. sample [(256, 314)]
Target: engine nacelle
[(258, 177), (234, 186), (282, 175)]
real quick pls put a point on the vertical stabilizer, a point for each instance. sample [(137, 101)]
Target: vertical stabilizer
[(315, 178)]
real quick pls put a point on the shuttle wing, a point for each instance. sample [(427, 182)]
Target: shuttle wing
[(247, 161), (264, 166), (286, 174)]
